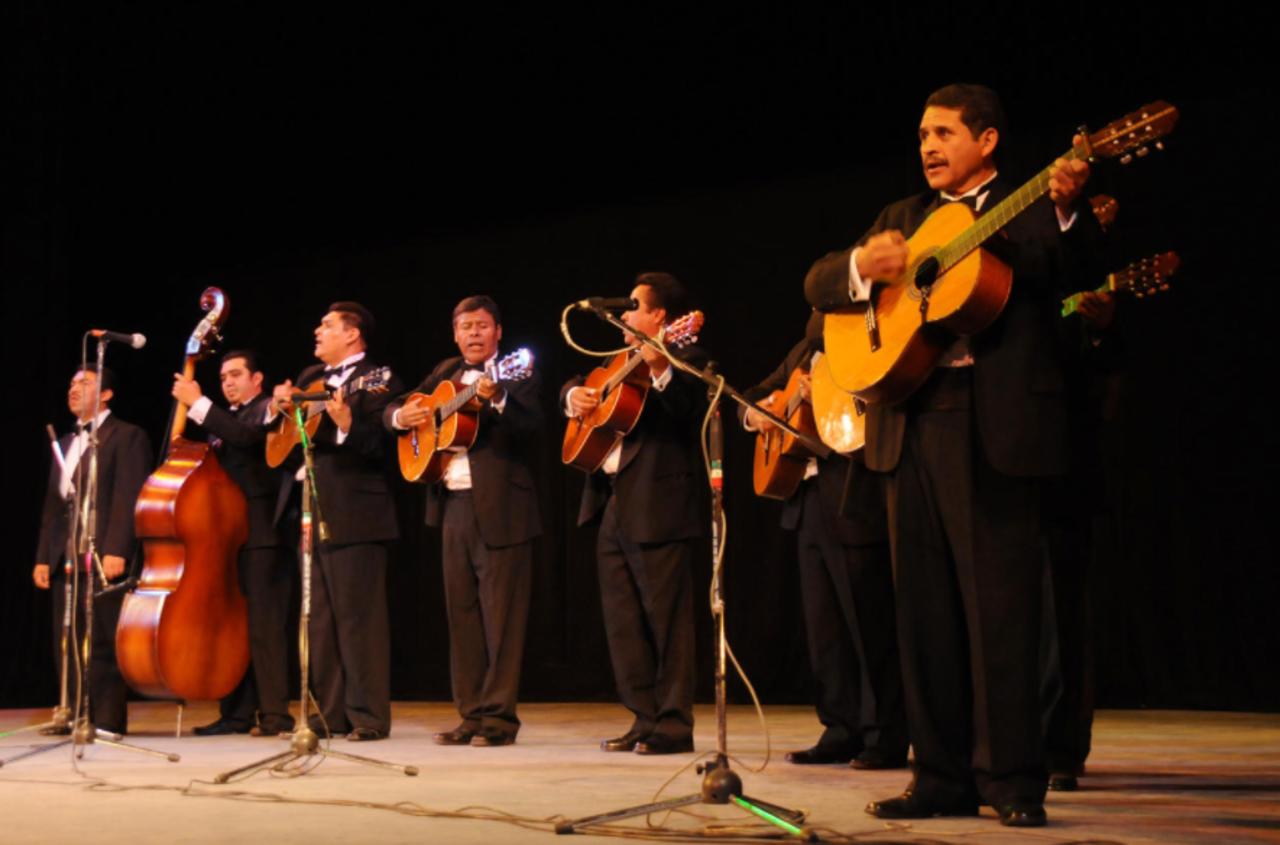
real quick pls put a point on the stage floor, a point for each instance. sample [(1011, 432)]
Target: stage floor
[(1155, 776)]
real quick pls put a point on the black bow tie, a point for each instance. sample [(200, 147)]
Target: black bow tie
[(337, 371), (971, 201), (467, 366)]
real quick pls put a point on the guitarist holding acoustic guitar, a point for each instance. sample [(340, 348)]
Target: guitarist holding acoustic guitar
[(965, 455), (486, 506), (846, 590), (650, 495)]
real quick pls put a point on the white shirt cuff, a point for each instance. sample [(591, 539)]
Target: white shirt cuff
[(199, 410), (859, 291)]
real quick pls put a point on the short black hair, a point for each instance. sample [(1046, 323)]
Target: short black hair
[(477, 302), (355, 316), (668, 291), (979, 106), (106, 379), (250, 358)]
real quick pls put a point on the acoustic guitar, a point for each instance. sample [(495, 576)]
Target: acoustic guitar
[(285, 437), (1145, 277), (426, 449), (884, 350), (780, 457), (623, 384)]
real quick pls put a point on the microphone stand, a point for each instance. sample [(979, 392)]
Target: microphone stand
[(720, 784), (81, 582), (304, 742)]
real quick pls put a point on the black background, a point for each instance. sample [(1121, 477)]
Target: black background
[(407, 157)]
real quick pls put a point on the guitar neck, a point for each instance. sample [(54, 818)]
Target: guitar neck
[(623, 371), (460, 399), (997, 217), (1072, 303)]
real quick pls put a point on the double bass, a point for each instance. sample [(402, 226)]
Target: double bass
[(183, 630)]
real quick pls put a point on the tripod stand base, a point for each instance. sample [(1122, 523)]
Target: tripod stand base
[(720, 785), (81, 736), (304, 743)]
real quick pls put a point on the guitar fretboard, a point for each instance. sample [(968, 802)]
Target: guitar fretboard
[(977, 233)]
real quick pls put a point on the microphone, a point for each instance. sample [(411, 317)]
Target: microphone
[(137, 341), (608, 303)]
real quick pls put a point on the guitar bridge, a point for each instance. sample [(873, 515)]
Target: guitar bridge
[(873, 328)]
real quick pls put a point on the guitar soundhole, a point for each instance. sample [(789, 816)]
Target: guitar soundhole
[(926, 272)]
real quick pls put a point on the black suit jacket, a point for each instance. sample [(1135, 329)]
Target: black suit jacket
[(1018, 389), (355, 493), (124, 462), (661, 485), (501, 459), (241, 450), (852, 496)]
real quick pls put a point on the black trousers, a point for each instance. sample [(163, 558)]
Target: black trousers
[(967, 576), (646, 590), (846, 592), (350, 637), (108, 693), (266, 579), (487, 593)]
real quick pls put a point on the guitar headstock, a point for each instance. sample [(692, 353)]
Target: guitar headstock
[(374, 381), (684, 330), (516, 367), (1147, 276), (1105, 209), (1135, 133)]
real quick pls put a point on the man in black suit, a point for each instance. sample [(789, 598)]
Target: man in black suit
[(846, 592), (966, 457), (487, 509), (260, 704), (124, 462), (349, 633), (651, 497)]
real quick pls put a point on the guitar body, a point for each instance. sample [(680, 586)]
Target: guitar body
[(780, 458), (282, 441), (964, 300), (835, 411), (424, 449), (588, 441)]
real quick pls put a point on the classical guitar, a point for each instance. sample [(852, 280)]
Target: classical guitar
[(1145, 277), (425, 449), (883, 351), (623, 384), (840, 418), (281, 441), (781, 457)]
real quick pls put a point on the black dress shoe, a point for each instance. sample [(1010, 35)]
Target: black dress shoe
[(365, 735), (664, 744), (1063, 782), (221, 727), (909, 805), (874, 758), (819, 755), (1019, 814), (626, 742), (493, 737), (461, 735)]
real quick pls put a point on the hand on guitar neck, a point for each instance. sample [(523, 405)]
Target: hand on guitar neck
[(756, 421)]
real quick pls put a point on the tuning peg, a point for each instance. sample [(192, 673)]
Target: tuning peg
[(1126, 158), (1142, 152), (1160, 145)]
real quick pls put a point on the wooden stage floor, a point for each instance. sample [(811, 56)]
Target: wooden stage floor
[(1154, 777)]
